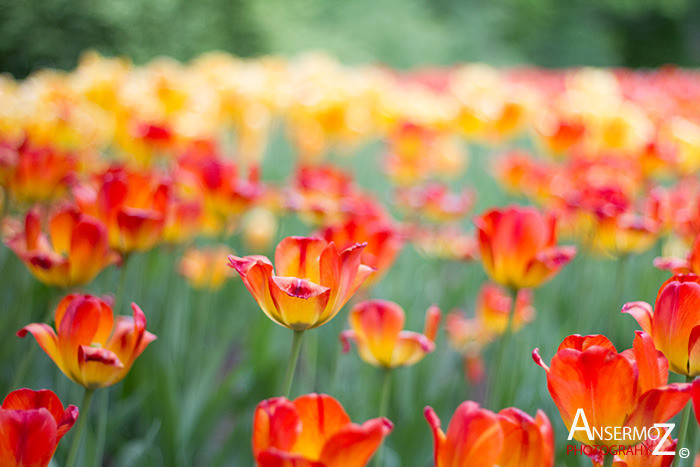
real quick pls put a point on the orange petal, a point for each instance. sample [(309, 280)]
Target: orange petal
[(438, 434), (47, 340), (27, 437), (642, 312), (432, 322), (321, 417), (353, 445), (276, 424), (275, 458), (474, 437), (578, 342), (299, 257), (256, 272), (410, 348), (659, 405), (652, 366), (89, 250), (529, 442)]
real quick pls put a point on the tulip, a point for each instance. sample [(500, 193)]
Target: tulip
[(527, 442), (519, 246), (688, 265), (78, 248), (674, 323), (493, 307), (313, 431), (479, 437), (377, 331), (311, 281), (89, 347), (41, 173), (384, 242), (133, 205), (627, 389), (31, 425), (204, 268)]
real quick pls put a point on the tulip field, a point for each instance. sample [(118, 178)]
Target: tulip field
[(292, 262)]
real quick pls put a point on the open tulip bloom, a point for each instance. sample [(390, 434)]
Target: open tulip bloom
[(479, 437), (621, 391), (310, 283), (31, 425), (313, 431), (88, 345), (377, 330), (518, 246)]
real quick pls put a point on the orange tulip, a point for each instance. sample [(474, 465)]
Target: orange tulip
[(384, 242), (435, 202), (31, 425), (377, 331), (493, 307), (313, 431), (474, 437), (311, 283), (674, 324), (519, 246), (614, 390), (90, 348), (77, 251), (40, 173), (205, 268), (133, 205), (527, 442)]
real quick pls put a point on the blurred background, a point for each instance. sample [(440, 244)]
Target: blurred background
[(401, 33)]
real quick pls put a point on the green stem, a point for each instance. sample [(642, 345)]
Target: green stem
[(102, 426), (292, 363), (383, 408), (121, 288), (683, 428), (503, 345), (608, 460), (82, 421)]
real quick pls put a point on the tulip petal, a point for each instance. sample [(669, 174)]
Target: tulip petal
[(582, 343), (694, 352), (438, 434), (659, 405), (652, 366), (410, 348), (642, 312), (276, 425), (299, 257), (276, 458), (321, 417), (676, 313), (256, 272), (529, 442), (27, 437), (353, 445), (47, 340), (474, 437), (300, 302)]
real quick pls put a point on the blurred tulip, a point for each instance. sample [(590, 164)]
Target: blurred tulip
[(78, 248), (628, 389), (688, 265), (311, 283), (493, 308), (31, 425), (133, 205), (41, 173), (468, 337), (384, 242), (519, 246), (90, 348), (435, 202), (184, 220), (377, 332), (205, 268), (477, 436), (259, 228), (313, 431), (674, 323), (445, 243)]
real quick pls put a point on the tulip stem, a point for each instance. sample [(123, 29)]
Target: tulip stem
[(292, 363), (608, 460), (501, 352), (383, 407), (102, 426), (82, 421), (683, 429)]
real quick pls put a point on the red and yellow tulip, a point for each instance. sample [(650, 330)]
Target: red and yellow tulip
[(477, 436), (313, 431), (519, 246), (674, 323), (205, 268), (89, 346), (627, 389), (377, 331), (310, 283), (74, 254), (31, 425)]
